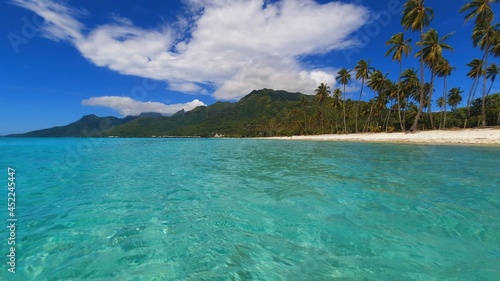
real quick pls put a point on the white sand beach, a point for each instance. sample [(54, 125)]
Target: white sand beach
[(488, 136)]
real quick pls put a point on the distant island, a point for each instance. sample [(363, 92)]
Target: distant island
[(271, 113)]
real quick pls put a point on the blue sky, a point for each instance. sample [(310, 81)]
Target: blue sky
[(65, 59)]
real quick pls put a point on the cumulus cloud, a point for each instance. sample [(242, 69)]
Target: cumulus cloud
[(272, 72), (232, 46), (128, 106)]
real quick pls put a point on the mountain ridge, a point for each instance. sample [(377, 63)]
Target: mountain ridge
[(266, 112), (220, 117)]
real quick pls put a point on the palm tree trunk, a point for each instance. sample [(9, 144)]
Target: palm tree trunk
[(305, 123), (337, 123), (322, 122), (483, 110), (407, 102), (343, 110), (398, 92), (414, 127), (489, 89), (368, 120), (441, 119), (469, 100), (387, 118), (429, 107), (445, 89), (359, 101)]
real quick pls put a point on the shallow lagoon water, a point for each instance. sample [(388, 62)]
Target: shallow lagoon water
[(236, 209)]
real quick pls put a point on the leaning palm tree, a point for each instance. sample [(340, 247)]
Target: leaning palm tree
[(363, 72), (344, 76), (495, 42), (454, 98), (491, 73), (444, 70), (480, 10), (432, 53), (415, 18), (483, 34), (399, 47), (475, 73)]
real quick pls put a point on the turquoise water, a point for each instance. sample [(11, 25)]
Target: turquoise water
[(203, 209)]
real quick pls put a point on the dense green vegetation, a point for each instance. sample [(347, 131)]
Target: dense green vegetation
[(412, 90), (267, 112), (256, 114)]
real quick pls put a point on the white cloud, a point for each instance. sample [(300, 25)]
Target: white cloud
[(234, 46), (59, 20), (272, 72), (327, 77), (128, 106), (187, 87)]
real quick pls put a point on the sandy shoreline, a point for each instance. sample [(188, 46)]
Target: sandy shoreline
[(487, 136)]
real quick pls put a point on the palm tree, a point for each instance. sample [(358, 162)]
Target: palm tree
[(441, 102), (483, 34), (415, 18), (495, 42), (322, 94), (475, 73), (378, 83), (399, 47), (480, 10), (432, 53), (336, 98), (444, 70), (336, 103), (293, 118), (391, 94), (454, 97), (427, 89), (344, 76), (491, 73), (363, 72), (303, 103), (411, 87)]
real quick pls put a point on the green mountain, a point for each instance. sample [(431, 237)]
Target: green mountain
[(87, 126), (243, 118)]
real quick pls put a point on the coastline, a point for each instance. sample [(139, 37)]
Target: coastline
[(484, 136)]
